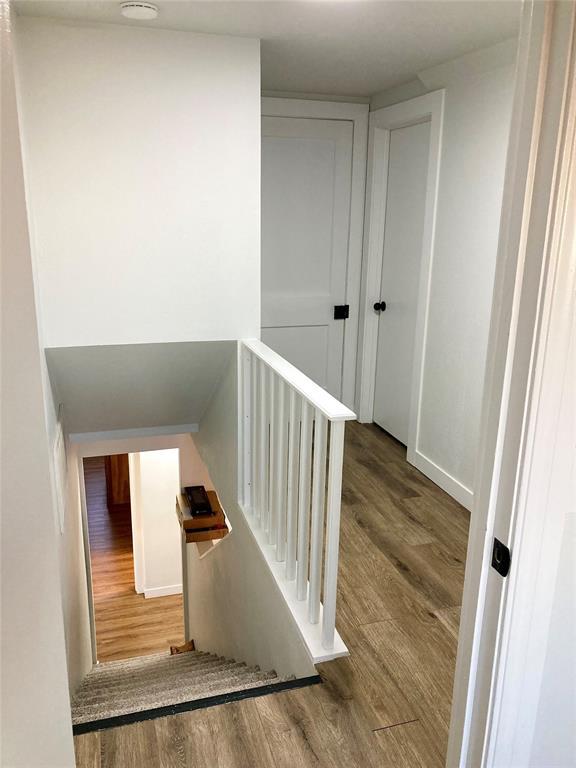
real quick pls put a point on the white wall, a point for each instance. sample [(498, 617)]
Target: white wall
[(135, 142), (36, 725), (478, 102), (73, 576), (236, 609), (135, 386), (142, 158), (554, 737), (154, 483), (65, 481)]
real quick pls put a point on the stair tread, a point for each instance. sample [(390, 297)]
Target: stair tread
[(147, 682), (189, 682), (154, 667)]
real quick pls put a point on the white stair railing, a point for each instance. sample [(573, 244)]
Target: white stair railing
[(291, 431)]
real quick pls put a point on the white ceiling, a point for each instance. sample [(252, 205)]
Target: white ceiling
[(342, 47), (135, 386)]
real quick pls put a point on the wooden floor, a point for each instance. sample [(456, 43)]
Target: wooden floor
[(402, 553), (127, 624)]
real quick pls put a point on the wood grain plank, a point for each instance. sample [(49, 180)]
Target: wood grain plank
[(87, 750), (238, 737), (132, 746), (170, 737), (198, 745), (420, 658), (323, 729), (410, 744)]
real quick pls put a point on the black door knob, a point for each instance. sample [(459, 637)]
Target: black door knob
[(380, 306)]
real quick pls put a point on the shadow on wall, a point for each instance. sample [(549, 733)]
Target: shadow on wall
[(137, 386)]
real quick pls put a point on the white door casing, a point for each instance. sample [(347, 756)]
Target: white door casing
[(526, 297), (429, 107), (405, 203), (313, 182)]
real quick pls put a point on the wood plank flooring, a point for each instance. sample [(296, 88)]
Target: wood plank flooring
[(127, 624), (403, 546)]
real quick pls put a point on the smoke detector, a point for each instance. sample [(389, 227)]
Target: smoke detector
[(139, 11)]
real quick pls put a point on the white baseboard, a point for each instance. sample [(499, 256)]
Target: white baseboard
[(453, 487), (173, 589)]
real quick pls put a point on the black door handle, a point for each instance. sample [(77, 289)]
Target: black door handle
[(380, 306)]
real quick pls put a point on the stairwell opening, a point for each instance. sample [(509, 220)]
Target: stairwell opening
[(146, 663)]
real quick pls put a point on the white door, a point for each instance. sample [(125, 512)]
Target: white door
[(306, 177), (404, 226)]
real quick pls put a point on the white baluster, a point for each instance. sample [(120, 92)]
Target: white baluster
[(317, 527), (280, 468), (272, 476), (262, 456), (254, 412), (292, 484), (304, 502), (285, 424), (245, 461), (335, 460)]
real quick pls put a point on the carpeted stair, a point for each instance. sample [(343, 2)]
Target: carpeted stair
[(118, 688)]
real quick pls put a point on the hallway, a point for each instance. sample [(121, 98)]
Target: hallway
[(127, 624), (402, 553)]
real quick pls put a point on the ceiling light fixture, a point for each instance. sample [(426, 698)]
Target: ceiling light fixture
[(139, 11)]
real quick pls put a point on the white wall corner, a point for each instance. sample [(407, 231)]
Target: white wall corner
[(397, 94), (443, 479), (470, 66)]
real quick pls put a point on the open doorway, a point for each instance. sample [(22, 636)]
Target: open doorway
[(129, 503)]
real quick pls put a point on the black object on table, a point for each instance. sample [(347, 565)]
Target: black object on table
[(198, 500)]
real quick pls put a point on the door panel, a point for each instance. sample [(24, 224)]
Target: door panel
[(117, 481), (405, 206), (306, 177)]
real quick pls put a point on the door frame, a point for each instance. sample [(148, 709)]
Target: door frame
[(87, 556), (495, 646), (429, 107), (94, 444), (357, 114)]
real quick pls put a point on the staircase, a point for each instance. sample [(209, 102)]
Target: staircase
[(118, 692)]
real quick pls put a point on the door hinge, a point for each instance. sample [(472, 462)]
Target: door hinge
[(341, 312), (500, 558)]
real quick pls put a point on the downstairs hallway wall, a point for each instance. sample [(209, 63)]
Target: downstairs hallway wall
[(36, 725), (154, 483)]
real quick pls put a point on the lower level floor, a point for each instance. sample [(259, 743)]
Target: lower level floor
[(127, 624), (402, 557)]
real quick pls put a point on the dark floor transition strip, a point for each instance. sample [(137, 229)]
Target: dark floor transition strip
[(188, 706)]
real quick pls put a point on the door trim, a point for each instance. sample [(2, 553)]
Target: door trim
[(533, 206), (88, 445), (357, 114), (87, 556), (382, 122)]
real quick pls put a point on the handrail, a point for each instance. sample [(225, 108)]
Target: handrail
[(291, 432), (332, 408)]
